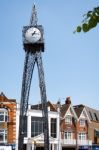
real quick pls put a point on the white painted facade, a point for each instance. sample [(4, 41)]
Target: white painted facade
[(39, 140)]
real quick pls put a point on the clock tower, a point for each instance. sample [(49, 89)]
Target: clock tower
[(33, 38), (33, 44), (33, 34)]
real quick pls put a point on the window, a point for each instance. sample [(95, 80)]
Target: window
[(82, 136), (68, 119), (53, 127), (3, 136), (3, 115), (96, 116), (68, 135), (82, 122), (91, 115), (36, 126), (3, 120)]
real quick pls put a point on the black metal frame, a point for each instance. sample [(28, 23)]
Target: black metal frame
[(32, 58)]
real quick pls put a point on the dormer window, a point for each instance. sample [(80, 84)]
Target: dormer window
[(68, 119), (82, 122)]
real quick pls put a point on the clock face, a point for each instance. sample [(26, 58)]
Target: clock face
[(33, 35)]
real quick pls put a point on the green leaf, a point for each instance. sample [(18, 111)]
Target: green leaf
[(89, 15), (97, 19), (92, 23), (78, 29), (85, 27), (97, 10), (91, 19)]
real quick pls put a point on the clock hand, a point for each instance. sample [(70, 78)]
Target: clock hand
[(33, 33)]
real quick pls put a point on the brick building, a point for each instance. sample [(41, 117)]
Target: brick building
[(68, 119), (93, 127), (92, 131), (74, 127), (83, 141), (70, 127), (7, 122)]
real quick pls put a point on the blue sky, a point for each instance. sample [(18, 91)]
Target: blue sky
[(71, 61)]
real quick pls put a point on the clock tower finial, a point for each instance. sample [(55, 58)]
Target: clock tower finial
[(33, 19)]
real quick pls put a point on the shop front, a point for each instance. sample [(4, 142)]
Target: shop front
[(86, 147), (95, 147)]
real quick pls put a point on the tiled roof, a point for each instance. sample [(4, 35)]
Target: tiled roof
[(64, 109), (78, 109), (93, 114)]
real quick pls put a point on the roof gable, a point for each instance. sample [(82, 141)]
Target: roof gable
[(84, 115), (4, 99), (81, 112), (71, 112), (78, 109)]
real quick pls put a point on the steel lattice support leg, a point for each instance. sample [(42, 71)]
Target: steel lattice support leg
[(43, 99), (26, 83), (29, 63)]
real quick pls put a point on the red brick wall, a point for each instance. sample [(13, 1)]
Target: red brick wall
[(10, 105), (92, 126), (74, 128), (67, 127)]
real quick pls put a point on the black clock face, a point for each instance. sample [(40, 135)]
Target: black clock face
[(33, 35)]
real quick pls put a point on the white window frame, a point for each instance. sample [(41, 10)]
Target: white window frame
[(82, 136), (82, 122), (68, 135), (3, 133), (4, 113), (68, 119)]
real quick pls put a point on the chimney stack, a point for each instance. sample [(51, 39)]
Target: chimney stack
[(68, 100)]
